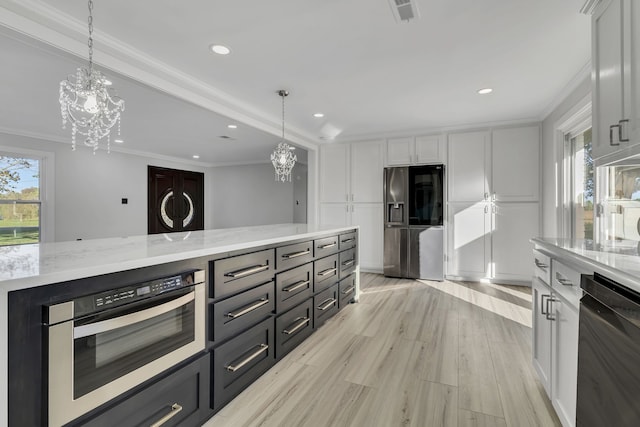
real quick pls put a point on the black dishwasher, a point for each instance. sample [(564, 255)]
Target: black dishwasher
[(608, 354)]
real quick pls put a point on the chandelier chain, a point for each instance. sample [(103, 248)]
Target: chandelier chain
[(90, 42), (283, 96)]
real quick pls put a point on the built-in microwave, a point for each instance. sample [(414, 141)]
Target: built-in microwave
[(103, 345)]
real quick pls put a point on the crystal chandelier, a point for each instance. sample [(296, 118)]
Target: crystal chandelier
[(282, 157), (88, 103)]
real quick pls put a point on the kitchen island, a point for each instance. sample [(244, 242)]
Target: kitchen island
[(331, 250)]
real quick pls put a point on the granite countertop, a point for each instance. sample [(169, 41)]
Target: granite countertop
[(618, 260), (26, 266)]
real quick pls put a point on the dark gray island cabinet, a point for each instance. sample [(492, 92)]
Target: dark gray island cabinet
[(171, 338)]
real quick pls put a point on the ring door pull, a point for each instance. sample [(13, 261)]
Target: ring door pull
[(301, 323), (296, 254), (327, 272), (350, 289), (326, 304), (611, 134), (175, 410), (248, 309), (540, 265), (623, 135), (234, 367), (247, 271), (296, 286), (327, 246)]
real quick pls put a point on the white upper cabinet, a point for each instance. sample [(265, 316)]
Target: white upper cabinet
[(515, 163), (468, 177), (418, 150), (616, 76), (366, 171), (334, 173)]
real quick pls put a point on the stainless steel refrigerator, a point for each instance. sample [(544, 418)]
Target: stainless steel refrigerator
[(414, 222)]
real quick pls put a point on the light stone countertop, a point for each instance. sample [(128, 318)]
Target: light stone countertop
[(617, 260), (27, 266)]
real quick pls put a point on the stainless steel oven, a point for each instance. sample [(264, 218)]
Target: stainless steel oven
[(102, 345)]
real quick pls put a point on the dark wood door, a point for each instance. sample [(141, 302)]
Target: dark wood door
[(175, 200)]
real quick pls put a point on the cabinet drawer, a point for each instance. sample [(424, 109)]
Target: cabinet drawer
[(184, 393), (566, 282), (293, 327), (542, 266), (347, 262), (239, 362), (326, 246), (347, 290), (235, 274), (348, 241), (325, 272), (293, 287), (293, 255), (325, 305), (239, 312)]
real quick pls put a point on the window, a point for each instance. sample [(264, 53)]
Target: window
[(579, 184), (20, 199)]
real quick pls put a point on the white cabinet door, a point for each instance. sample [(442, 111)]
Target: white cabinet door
[(607, 73), (369, 216), (335, 214), (468, 167), (399, 151), (366, 171), (541, 333), (469, 250), (514, 224), (429, 149), (633, 83), (564, 357), (334, 173), (515, 155)]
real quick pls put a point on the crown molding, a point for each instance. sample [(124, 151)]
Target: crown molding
[(52, 27), (577, 80)]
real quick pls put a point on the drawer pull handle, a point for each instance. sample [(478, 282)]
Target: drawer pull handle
[(352, 239), (249, 308), (563, 281), (327, 272), (247, 271), (541, 265), (302, 322), (542, 304), (549, 315), (348, 262), (296, 254), (262, 348), (327, 246), (175, 410), (296, 286), (348, 291), (326, 304)]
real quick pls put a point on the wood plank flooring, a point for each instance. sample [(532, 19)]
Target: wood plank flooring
[(411, 353)]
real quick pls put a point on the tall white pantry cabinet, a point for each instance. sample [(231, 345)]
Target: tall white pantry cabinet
[(493, 203)]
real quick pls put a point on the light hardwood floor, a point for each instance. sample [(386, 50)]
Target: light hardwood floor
[(411, 353)]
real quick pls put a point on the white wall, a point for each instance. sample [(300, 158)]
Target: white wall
[(89, 189), (249, 195), (299, 178), (552, 159)]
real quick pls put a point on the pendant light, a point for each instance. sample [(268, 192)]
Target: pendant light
[(282, 157)]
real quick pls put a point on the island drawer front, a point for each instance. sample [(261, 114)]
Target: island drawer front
[(348, 241), (293, 287), (347, 289), (566, 282), (184, 392), (293, 327), (325, 305), (348, 262), (241, 311), (235, 274), (241, 360), (293, 255), (325, 272), (325, 246), (542, 266)]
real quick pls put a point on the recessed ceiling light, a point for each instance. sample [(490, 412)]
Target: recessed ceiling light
[(485, 91), (118, 141), (220, 49), (318, 115), (195, 156), (232, 126)]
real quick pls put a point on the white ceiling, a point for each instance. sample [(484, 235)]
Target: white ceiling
[(351, 60)]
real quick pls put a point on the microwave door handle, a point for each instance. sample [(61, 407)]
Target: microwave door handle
[(132, 318)]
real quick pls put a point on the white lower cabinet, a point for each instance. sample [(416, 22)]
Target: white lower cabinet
[(469, 251), (541, 334)]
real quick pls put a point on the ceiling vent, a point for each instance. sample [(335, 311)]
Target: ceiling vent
[(404, 10)]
